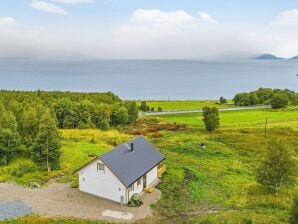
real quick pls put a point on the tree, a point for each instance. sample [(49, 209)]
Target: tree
[(222, 100), (29, 126), (120, 116), (211, 118), (159, 109), (295, 100), (277, 167), (144, 106), (294, 211), (245, 99), (133, 112), (264, 95), (8, 145), (9, 137), (46, 148), (279, 100), (65, 113)]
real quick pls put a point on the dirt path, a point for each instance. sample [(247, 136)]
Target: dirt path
[(59, 200)]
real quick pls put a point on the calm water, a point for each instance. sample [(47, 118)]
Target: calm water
[(150, 79)]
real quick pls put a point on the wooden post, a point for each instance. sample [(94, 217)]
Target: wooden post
[(266, 125)]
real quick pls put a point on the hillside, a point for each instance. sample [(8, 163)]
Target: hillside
[(268, 56)]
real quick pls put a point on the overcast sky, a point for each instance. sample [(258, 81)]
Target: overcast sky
[(152, 29)]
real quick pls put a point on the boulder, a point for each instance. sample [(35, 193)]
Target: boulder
[(34, 185)]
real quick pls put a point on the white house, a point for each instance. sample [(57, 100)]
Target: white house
[(118, 174)]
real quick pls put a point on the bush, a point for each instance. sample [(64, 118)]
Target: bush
[(294, 211), (144, 107), (222, 100), (159, 109), (277, 167), (135, 201), (22, 169), (211, 118), (279, 100), (245, 99)]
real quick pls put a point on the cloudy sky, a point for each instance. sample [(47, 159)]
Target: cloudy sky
[(152, 29)]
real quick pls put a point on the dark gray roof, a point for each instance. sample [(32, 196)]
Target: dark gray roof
[(129, 165)]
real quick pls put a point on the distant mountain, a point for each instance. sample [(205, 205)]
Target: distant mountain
[(268, 56), (295, 57)]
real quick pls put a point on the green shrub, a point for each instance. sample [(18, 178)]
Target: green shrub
[(22, 169), (277, 168), (279, 100), (135, 201), (294, 211), (211, 118)]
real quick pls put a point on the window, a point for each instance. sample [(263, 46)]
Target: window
[(131, 188), (100, 167), (139, 182)]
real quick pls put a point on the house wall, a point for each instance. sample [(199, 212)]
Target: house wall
[(137, 189), (151, 176), (105, 185)]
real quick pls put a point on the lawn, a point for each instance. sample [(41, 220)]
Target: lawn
[(186, 104)]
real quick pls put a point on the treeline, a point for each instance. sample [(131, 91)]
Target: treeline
[(72, 110), (29, 120), (277, 98)]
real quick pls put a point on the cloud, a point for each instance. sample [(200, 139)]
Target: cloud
[(48, 7), (160, 22), (156, 17), (7, 21), (149, 34), (206, 17), (73, 1), (287, 18)]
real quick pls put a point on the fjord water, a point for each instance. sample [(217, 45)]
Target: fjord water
[(150, 79)]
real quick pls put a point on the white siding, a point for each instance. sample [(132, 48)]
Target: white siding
[(105, 185), (137, 188), (151, 176)]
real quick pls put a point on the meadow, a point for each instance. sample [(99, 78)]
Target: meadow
[(201, 186), (186, 104), (242, 119), (78, 147)]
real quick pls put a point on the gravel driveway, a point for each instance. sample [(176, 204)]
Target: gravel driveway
[(59, 200), (10, 210)]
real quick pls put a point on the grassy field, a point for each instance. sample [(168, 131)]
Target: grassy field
[(186, 104), (201, 186), (43, 220), (242, 119), (78, 147), (220, 178)]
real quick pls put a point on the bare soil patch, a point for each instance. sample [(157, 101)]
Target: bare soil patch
[(59, 200)]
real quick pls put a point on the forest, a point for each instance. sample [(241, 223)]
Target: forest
[(29, 120)]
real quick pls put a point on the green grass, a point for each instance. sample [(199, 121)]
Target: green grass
[(42, 220), (242, 119), (220, 178), (186, 104), (78, 147)]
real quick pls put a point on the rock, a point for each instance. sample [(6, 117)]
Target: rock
[(34, 185)]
